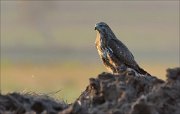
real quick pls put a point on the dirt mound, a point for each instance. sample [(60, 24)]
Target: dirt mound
[(127, 93), (16, 103)]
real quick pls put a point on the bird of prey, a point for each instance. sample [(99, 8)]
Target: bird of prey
[(114, 54)]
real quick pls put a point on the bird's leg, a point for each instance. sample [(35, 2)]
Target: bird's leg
[(120, 70), (131, 71)]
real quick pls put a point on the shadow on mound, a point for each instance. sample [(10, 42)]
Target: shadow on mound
[(127, 93)]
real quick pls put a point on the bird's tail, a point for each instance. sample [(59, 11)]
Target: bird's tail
[(142, 71)]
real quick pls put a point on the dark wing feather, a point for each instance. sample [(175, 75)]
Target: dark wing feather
[(121, 52)]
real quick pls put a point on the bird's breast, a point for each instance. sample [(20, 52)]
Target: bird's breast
[(101, 48)]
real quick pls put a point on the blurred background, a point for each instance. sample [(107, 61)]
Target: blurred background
[(49, 46)]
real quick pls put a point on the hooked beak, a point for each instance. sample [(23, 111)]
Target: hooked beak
[(96, 27)]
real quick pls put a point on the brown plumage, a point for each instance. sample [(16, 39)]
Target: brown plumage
[(114, 54)]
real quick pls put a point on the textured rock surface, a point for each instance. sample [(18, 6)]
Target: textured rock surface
[(127, 93), (16, 103)]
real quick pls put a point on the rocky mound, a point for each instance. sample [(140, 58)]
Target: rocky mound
[(16, 103), (127, 93)]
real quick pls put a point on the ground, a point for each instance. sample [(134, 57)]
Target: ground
[(126, 93)]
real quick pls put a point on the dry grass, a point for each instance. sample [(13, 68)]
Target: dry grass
[(71, 79)]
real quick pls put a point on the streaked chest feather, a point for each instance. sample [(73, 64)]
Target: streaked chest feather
[(105, 52), (101, 50)]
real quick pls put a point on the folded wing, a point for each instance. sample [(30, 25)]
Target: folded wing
[(121, 52)]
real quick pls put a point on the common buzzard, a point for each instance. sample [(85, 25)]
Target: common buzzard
[(114, 54)]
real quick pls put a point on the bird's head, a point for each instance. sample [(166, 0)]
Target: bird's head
[(101, 26), (104, 29)]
